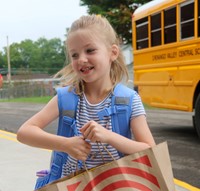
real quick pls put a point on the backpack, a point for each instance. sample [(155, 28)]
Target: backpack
[(120, 112)]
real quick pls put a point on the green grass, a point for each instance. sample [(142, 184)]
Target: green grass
[(44, 99)]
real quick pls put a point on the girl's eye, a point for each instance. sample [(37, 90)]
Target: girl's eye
[(90, 50), (75, 55)]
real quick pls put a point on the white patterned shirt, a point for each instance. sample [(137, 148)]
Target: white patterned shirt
[(87, 112)]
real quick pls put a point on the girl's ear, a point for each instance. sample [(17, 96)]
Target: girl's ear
[(114, 52)]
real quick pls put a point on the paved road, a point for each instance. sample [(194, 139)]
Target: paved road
[(171, 126), (184, 145)]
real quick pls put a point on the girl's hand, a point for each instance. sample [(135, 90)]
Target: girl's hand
[(79, 148), (95, 132)]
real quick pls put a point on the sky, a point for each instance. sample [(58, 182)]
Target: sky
[(32, 19)]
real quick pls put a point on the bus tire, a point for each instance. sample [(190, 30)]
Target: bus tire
[(193, 122), (197, 116)]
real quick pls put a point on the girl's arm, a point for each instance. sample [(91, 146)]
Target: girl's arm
[(32, 133), (142, 136)]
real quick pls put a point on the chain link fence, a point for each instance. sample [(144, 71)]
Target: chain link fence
[(32, 88)]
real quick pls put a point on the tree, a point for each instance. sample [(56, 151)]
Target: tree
[(41, 56), (51, 54), (2, 60), (119, 13)]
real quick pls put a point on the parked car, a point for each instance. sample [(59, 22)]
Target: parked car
[(1, 81)]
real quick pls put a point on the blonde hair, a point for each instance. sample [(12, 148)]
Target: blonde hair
[(104, 29)]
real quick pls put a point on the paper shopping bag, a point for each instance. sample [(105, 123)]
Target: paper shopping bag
[(148, 170)]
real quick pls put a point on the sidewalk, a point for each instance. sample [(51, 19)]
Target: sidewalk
[(18, 164)]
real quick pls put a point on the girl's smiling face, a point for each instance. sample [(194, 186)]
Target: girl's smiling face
[(90, 57)]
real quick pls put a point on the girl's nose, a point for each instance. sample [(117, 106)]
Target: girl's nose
[(82, 59)]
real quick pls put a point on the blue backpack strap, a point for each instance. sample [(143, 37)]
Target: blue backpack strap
[(120, 110), (67, 104)]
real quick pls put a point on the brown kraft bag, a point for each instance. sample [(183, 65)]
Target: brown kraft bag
[(148, 170)]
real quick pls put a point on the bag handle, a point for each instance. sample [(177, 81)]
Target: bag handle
[(104, 148), (100, 151)]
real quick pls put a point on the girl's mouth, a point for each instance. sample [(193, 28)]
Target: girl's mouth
[(86, 69)]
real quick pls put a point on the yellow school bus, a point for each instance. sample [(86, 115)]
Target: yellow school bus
[(166, 44)]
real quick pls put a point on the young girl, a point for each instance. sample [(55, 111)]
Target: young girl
[(96, 67)]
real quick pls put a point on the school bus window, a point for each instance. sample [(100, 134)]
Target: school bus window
[(170, 25), (187, 19), (198, 17), (156, 29), (142, 33)]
